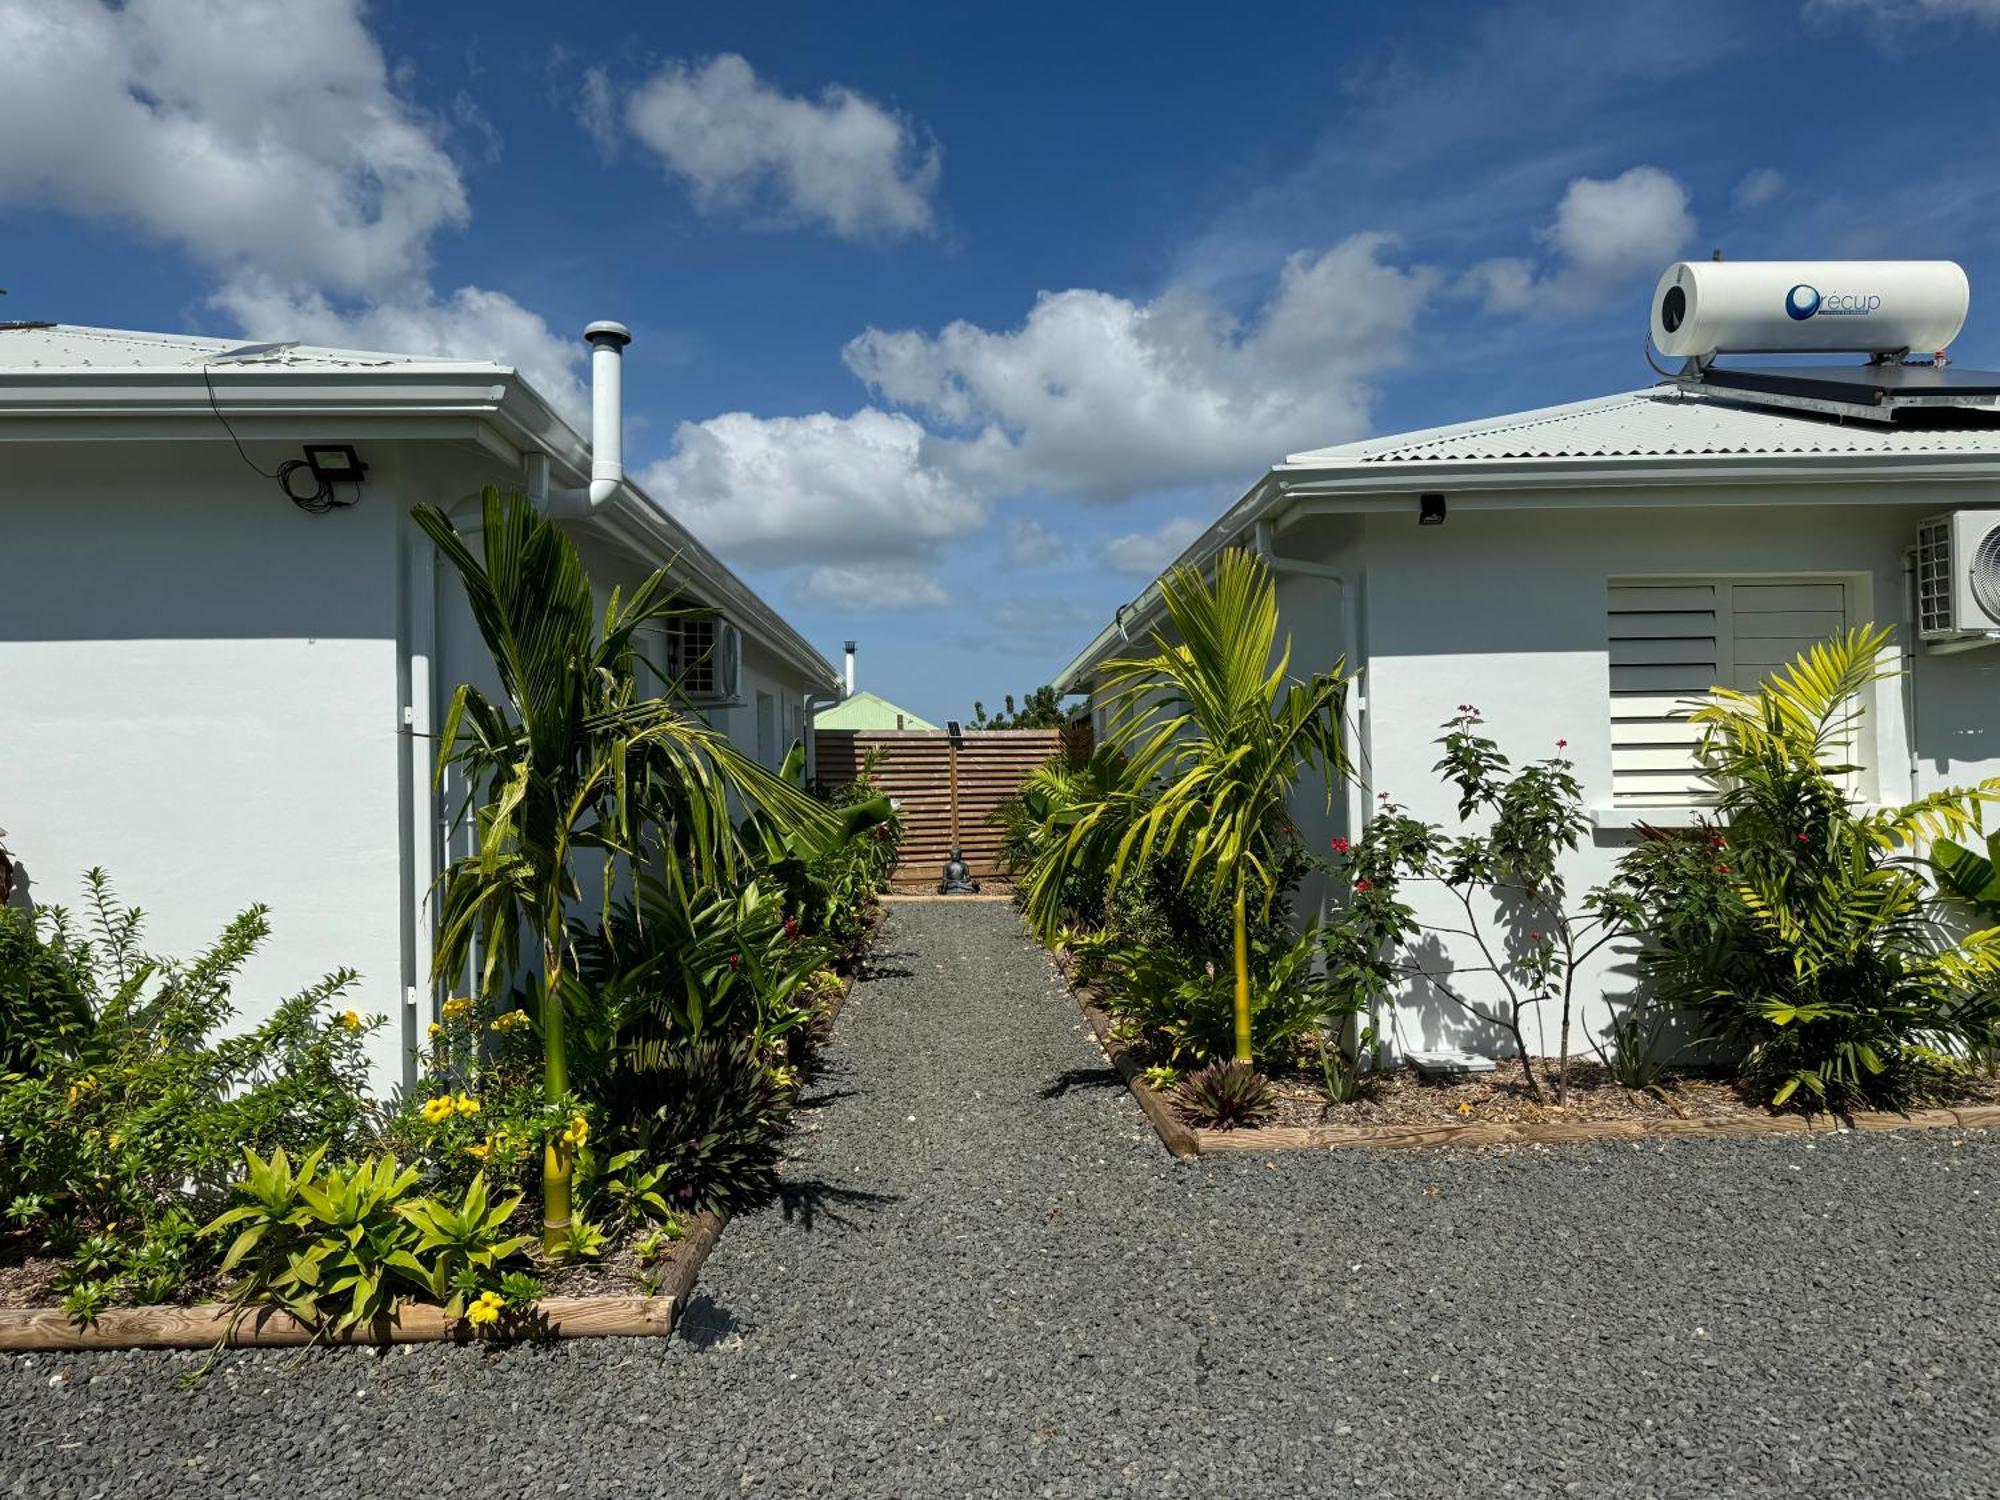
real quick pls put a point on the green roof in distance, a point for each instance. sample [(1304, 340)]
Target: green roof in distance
[(868, 712)]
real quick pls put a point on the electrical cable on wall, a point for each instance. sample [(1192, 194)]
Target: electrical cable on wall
[(322, 498)]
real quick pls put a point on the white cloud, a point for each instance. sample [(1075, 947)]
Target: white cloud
[(597, 109), (1103, 397), (472, 323), (818, 487), (1030, 544), (1893, 13), (251, 135), (842, 161), (1759, 186), (1148, 553), (865, 588), (1605, 231)]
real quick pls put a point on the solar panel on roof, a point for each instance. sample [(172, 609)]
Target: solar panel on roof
[(1877, 392)]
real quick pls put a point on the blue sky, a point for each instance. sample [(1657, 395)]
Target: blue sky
[(982, 314)]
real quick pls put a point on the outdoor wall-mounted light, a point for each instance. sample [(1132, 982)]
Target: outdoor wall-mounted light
[(1430, 510), (328, 464), (331, 461)]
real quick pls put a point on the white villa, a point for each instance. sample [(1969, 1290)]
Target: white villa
[(220, 665), (1576, 572)]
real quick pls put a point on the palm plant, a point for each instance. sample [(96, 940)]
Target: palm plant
[(572, 758), (1800, 924), (1214, 738)]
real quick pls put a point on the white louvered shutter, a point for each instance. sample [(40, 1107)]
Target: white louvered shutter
[(1671, 640)]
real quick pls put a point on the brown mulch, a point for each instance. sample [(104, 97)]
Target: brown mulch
[(1404, 1097), (25, 1279)]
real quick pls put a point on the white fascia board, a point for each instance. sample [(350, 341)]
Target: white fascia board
[(1290, 490), (632, 519)]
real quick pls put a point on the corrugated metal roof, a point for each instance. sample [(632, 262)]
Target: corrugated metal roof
[(1657, 423), (65, 346)]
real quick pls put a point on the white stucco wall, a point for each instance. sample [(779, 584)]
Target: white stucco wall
[(200, 695), (1506, 610)]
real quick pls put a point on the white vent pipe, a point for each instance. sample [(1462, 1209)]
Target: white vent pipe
[(607, 407), (850, 669)]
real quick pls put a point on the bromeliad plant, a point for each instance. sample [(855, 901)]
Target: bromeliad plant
[(1215, 734), (573, 758), (1803, 927)]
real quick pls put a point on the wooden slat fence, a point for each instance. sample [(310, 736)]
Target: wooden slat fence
[(915, 770)]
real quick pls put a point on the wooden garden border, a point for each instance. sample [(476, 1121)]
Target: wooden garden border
[(1182, 1140), (208, 1325)]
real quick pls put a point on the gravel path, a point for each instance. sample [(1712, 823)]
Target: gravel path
[(986, 1278)]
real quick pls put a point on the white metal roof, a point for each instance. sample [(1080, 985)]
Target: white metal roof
[(77, 377), (1661, 439), (1657, 423), (66, 346)]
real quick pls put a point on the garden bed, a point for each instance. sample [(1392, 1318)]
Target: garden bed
[(611, 1296), (1403, 1110)]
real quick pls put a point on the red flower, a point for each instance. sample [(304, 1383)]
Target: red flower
[(1534, 937), (1363, 885), (1562, 744), (1805, 838), (734, 960), (1339, 846), (791, 927), (1722, 869)]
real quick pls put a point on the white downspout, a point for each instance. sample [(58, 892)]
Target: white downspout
[(422, 835)]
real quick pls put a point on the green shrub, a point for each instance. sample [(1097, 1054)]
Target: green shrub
[(1801, 927), (1185, 1006), (135, 1116), (342, 1246)]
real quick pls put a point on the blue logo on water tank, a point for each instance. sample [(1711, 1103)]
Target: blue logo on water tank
[(1801, 302)]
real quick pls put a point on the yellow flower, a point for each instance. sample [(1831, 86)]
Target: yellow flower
[(466, 1105), (486, 1311), (514, 1020), (351, 1019), (458, 1008), (438, 1109), (436, 1030), (1465, 1106), (117, 1140), (482, 1152)]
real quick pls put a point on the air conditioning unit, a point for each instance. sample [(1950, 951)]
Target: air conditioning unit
[(1958, 580), (706, 655), (695, 658)]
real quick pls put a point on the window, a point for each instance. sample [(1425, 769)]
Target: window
[(1672, 639), (767, 730)]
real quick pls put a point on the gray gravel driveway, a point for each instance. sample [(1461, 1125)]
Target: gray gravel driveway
[(986, 1278)]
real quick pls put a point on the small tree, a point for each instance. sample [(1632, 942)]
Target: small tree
[(1534, 948), (1215, 735)]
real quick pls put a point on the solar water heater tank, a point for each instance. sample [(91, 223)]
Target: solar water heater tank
[(1702, 308)]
